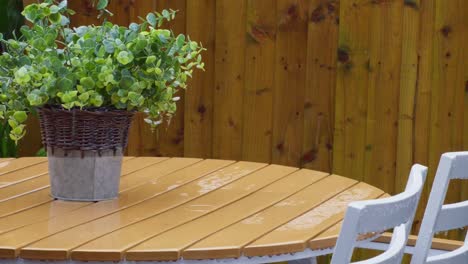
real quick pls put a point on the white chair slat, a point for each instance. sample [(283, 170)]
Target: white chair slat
[(379, 215), (457, 256), (452, 216), (439, 217), (394, 252)]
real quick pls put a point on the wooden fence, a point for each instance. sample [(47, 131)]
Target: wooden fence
[(362, 88)]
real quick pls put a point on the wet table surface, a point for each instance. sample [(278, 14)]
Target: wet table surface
[(172, 208)]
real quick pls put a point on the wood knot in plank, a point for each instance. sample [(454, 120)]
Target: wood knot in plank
[(412, 4), (201, 109), (310, 156), (446, 30), (343, 55), (318, 14)]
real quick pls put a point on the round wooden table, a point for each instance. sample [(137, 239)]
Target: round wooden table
[(177, 209)]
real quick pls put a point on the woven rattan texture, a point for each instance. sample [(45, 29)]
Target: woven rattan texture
[(86, 130)]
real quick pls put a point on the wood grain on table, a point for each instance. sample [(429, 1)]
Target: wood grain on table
[(170, 208)]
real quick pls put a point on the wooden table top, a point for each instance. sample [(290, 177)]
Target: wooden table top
[(170, 208)]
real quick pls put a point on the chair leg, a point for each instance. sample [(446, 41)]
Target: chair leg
[(304, 261)]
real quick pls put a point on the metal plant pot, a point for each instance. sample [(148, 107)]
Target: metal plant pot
[(85, 176), (84, 149)]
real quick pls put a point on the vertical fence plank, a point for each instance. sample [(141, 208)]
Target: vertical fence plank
[(171, 134), (199, 95), (321, 80), (464, 192), (121, 11), (140, 8), (351, 89), (289, 92), (408, 87), (229, 78), (259, 80), (383, 91), (142, 139), (422, 112), (449, 71)]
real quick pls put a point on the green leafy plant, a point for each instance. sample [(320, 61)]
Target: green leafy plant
[(10, 22), (138, 68)]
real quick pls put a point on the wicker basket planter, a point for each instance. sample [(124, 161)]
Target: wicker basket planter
[(84, 149)]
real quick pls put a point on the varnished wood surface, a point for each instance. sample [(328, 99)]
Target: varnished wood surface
[(170, 208), (362, 88)]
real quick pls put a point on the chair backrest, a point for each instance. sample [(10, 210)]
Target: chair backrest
[(365, 217), (439, 217)]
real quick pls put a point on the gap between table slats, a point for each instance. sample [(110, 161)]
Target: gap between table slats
[(248, 229), (221, 204), (55, 207), (55, 247), (294, 236), (41, 196), (18, 164), (327, 238), (11, 242)]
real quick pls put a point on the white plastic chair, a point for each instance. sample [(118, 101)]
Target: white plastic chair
[(375, 216), (439, 217)]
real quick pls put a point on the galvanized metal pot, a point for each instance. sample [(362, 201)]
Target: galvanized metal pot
[(85, 149), (85, 176)]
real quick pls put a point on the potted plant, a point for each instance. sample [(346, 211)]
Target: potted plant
[(86, 83)]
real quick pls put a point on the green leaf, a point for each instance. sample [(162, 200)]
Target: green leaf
[(125, 57), (133, 96), (13, 123), (22, 76), (84, 97), (141, 44), (150, 59), (166, 14), (64, 84), (126, 82), (102, 4), (34, 99), (63, 4), (18, 131), (54, 9), (134, 27), (96, 100), (87, 82), (40, 44), (152, 20), (55, 18), (20, 116)]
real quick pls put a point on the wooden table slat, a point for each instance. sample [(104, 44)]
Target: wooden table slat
[(38, 214), (132, 164), (11, 242), (293, 236), (34, 178), (327, 238), (169, 245), (24, 174), (228, 242), (38, 196), (22, 188), (24, 202), (18, 164), (61, 244), (54, 208), (172, 208), (119, 241)]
